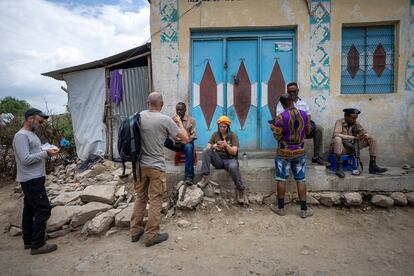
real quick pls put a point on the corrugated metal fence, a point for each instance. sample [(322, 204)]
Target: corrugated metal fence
[(134, 96)]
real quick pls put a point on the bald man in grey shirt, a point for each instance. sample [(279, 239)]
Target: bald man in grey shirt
[(31, 172)]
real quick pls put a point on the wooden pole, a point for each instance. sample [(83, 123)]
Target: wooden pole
[(109, 131), (149, 66)]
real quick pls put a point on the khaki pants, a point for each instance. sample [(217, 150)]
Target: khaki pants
[(338, 146), (150, 189)]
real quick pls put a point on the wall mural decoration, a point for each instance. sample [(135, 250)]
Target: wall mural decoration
[(208, 94), (409, 70), (275, 87), (169, 21), (242, 93), (320, 27)]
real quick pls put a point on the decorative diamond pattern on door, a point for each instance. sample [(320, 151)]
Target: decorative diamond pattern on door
[(242, 93), (208, 94), (275, 87)]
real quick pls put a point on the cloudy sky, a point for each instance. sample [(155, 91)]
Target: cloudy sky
[(38, 36)]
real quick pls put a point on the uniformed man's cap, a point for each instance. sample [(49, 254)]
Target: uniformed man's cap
[(349, 111)]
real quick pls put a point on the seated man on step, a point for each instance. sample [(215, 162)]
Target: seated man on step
[(221, 152), (349, 130), (188, 148)]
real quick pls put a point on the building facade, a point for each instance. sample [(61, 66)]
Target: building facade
[(236, 57)]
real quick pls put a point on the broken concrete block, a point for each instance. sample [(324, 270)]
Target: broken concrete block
[(255, 198), (102, 223), (399, 198), (123, 218), (15, 231), (192, 197), (330, 198), (60, 216), (382, 201), (59, 233), (65, 198), (410, 198), (16, 213), (352, 199), (182, 223), (98, 193), (88, 212)]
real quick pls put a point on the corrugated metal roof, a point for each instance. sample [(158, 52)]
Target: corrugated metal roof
[(58, 74)]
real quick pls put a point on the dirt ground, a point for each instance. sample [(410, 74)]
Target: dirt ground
[(235, 241)]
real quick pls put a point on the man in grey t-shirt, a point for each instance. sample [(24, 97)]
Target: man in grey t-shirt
[(155, 128), (30, 163)]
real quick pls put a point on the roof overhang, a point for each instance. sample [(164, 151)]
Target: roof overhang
[(119, 58)]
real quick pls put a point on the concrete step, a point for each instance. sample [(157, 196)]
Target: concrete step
[(260, 173), (251, 154)]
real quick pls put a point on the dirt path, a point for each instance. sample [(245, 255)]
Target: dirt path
[(234, 242)]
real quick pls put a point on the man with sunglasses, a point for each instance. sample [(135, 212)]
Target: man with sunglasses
[(31, 172)]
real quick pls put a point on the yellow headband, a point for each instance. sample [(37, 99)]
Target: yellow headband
[(224, 119)]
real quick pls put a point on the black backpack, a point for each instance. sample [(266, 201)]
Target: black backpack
[(129, 142)]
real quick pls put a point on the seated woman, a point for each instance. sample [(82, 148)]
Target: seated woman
[(221, 152)]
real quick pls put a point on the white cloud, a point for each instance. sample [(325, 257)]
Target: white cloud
[(40, 36)]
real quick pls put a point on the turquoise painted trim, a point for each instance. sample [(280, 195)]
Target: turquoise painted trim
[(225, 77), (207, 34)]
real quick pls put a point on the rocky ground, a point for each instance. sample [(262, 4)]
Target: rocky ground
[(91, 214)]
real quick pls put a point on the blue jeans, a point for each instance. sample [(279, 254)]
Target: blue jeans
[(188, 150), (297, 164)]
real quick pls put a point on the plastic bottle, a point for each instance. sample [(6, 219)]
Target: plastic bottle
[(244, 160)]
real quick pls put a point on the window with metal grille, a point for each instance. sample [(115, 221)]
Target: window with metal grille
[(367, 60)]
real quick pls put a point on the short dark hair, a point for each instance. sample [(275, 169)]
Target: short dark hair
[(292, 84), (183, 104), (285, 99)]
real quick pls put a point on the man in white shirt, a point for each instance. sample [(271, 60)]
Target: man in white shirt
[(317, 134)]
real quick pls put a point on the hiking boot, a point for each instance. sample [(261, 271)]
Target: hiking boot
[(46, 248), (159, 238), (319, 161), (135, 238), (306, 213), (374, 169), (188, 181), (203, 182), (340, 171), (277, 210)]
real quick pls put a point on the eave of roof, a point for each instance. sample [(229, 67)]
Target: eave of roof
[(58, 74)]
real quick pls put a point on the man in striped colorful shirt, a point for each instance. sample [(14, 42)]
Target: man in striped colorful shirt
[(290, 128)]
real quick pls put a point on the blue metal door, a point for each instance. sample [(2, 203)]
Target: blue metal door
[(277, 69), (207, 87), (242, 73)]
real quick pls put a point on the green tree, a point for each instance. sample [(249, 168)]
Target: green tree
[(13, 106)]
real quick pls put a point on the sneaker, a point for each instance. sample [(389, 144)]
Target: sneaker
[(306, 213), (46, 248), (280, 212), (203, 182), (136, 237), (340, 171), (159, 238), (319, 161)]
